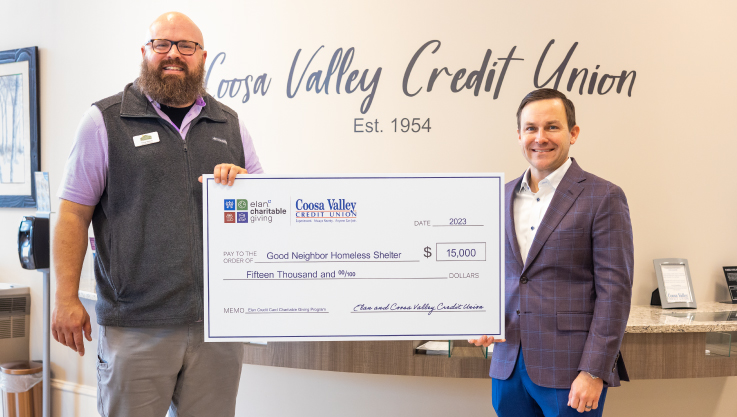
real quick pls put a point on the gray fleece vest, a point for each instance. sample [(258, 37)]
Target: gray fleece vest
[(148, 223)]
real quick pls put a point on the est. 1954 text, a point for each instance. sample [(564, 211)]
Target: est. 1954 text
[(402, 125)]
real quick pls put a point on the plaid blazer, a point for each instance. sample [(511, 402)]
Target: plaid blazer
[(567, 307)]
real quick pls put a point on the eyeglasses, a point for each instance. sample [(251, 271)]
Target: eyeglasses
[(163, 46)]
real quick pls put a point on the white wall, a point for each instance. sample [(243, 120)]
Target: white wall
[(669, 145)]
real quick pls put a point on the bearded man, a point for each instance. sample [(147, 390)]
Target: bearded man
[(133, 172)]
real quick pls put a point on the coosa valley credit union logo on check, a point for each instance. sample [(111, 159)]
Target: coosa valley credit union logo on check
[(332, 210), (240, 211)]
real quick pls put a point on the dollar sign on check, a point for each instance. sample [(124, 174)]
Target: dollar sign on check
[(428, 253)]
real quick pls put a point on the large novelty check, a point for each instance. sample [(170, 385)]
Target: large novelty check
[(396, 257)]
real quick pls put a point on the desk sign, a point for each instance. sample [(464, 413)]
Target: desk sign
[(674, 283), (380, 257)]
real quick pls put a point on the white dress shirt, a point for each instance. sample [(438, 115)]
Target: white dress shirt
[(529, 207)]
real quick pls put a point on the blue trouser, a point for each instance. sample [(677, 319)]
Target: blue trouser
[(519, 396)]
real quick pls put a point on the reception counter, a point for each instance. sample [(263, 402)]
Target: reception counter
[(658, 344), (681, 343)]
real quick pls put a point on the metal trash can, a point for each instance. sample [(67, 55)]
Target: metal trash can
[(22, 387)]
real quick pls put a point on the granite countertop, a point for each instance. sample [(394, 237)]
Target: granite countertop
[(88, 295), (87, 288), (710, 316)]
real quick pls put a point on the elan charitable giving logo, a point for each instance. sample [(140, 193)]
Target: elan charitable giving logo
[(236, 210)]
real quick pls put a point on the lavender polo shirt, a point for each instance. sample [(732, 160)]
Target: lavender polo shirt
[(85, 174)]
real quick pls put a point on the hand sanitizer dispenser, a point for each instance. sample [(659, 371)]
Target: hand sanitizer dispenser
[(33, 242)]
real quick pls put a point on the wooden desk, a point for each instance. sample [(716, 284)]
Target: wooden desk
[(657, 344)]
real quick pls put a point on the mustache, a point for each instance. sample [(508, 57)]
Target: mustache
[(173, 61)]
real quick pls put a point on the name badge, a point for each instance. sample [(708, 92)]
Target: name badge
[(146, 139)]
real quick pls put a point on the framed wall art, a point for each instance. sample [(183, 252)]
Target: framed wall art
[(19, 130)]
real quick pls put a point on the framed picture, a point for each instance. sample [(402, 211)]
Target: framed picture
[(674, 283), (19, 136)]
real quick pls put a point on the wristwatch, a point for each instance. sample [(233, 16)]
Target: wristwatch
[(592, 375)]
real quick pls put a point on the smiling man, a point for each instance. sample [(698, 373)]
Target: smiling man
[(568, 274), (133, 173)]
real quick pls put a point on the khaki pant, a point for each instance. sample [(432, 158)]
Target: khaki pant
[(144, 372)]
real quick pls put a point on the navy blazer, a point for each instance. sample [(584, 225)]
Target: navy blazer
[(567, 307)]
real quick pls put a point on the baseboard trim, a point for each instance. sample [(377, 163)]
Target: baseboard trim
[(67, 386)]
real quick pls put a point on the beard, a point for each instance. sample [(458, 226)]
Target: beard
[(172, 90)]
